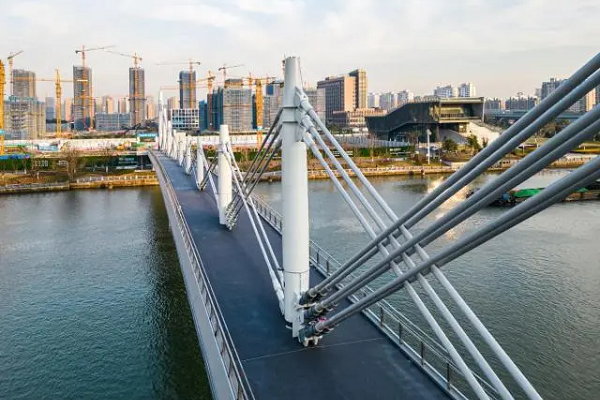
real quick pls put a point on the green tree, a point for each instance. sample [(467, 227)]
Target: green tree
[(473, 143), (449, 145)]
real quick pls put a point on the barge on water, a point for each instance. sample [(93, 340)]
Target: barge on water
[(516, 196)]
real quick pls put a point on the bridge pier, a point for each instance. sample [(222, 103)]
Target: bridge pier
[(295, 235), (225, 175)]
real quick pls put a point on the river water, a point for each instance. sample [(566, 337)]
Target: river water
[(92, 301), (536, 287), (93, 305)]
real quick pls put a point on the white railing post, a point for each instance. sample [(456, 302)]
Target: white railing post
[(199, 163), (224, 174), (188, 156), (294, 181)]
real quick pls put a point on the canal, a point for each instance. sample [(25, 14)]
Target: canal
[(536, 287), (92, 301)]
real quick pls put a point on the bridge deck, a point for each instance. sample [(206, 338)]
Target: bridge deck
[(355, 361)]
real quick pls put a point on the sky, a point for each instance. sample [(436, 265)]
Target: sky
[(502, 46)]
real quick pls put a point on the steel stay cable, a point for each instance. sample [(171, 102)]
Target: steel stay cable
[(555, 192), (250, 201), (458, 360), (274, 280)]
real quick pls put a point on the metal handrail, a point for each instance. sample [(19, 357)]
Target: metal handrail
[(235, 372), (390, 321)]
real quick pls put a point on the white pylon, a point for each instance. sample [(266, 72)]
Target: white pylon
[(188, 157), (224, 175), (294, 182), (199, 163)]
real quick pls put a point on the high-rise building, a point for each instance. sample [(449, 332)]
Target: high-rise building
[(67, 110), (187, 89), (494, 104), (50, 108), (467, 89), (24, 84), (123, 105), (203, 107), (316, 97), (521, 102), (388, 101), (340, 94), (172, 103), (137, 94), (373, 100), (360, 89), (549, 87), (445, 92), (272, 102), (150, 108), (83, 103), (108, 105), (232, 105), (405, 96), (585, 104)]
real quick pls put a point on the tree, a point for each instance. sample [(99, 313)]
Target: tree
[(71, 156), (106, 154), (473, 143), (449, 145)]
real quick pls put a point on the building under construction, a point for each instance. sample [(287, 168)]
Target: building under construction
[(137, 94), (232, 105), (83, 103), (187, 89), (24, 118), (23, 83)]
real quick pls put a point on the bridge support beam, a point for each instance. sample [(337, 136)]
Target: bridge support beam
[(224, 175), (199, 162), (295, 236)]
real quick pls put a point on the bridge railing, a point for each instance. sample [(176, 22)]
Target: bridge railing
[(421, 348), (231, 362)]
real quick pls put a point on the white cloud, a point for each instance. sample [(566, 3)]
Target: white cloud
[(270, 6)]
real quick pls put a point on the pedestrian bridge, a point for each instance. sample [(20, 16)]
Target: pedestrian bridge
[(278, 317)]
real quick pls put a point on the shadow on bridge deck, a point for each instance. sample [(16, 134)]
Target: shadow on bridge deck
[(355, 361)]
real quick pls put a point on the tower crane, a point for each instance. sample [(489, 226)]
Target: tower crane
[(136, 98), (224, 68), (191, 87), (2, 82), (87, 96), (258, 83), (10, 58)]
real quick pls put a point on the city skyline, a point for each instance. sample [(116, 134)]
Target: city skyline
[(520, 44)]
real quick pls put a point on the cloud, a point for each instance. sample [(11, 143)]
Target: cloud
[(270, 6)]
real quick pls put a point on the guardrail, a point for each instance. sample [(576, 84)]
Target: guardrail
[(425, 351), (115, 178), (240, 387), (34, 185)]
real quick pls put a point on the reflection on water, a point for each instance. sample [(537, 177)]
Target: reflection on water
[(92, 301), (536, 287)]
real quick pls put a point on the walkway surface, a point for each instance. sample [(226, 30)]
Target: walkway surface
[(355, 361)]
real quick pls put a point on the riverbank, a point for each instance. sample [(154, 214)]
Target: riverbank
[(90, 182)]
